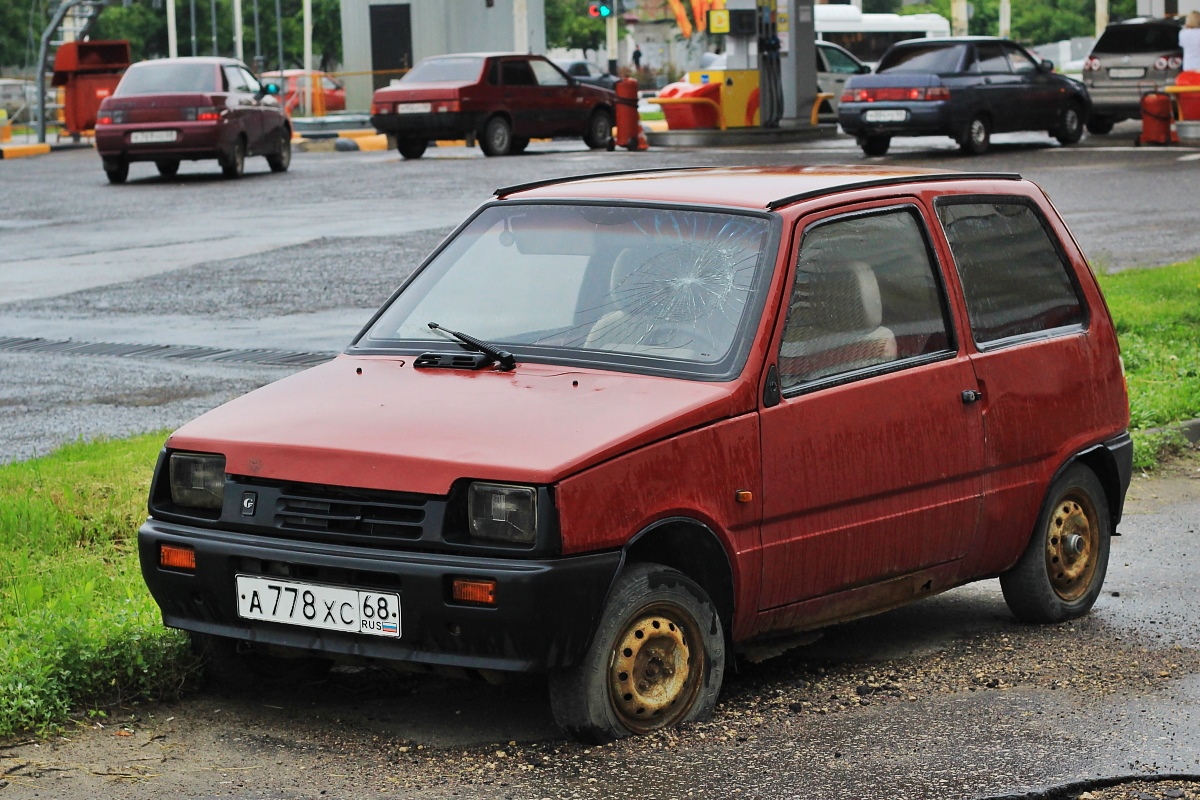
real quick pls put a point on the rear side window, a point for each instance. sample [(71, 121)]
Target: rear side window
[(922, 58), (517, 73), (866, 294), (1014, 279), (1138, 38)]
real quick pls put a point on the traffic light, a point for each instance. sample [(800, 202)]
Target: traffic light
[(600, 10)]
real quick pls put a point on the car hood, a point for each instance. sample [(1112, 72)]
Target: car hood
[(378, 423)]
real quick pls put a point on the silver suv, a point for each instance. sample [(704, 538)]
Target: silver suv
[(1129, 59)]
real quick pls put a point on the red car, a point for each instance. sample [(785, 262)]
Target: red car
[(297, 82), (620, 427), (502, 100), (175, 109)]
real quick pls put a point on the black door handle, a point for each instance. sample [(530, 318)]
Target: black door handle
[(971, 395)]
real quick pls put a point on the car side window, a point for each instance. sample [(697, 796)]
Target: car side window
[(517, 72), (1021, 63), (839, 61), (547, 74), (991, 59), (236, 81), (1014, 278), (866, 294)]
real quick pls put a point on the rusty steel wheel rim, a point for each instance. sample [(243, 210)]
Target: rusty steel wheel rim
[(1072, 545), (656, 667)]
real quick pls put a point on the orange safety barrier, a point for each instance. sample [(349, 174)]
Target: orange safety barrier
[(815, 116), (693, 101)]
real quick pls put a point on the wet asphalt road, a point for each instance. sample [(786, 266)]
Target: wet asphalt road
[(278, 265)]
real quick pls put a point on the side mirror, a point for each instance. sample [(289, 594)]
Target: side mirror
[(1047, 65), (271, 88), (863, 69)]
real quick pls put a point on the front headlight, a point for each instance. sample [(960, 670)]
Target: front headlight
[(502, 513), (197, 481)]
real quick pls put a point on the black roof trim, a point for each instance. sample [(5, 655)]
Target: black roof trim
[(944, 176), (504, 191)]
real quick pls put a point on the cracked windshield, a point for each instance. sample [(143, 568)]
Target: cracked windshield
[(661, 283)]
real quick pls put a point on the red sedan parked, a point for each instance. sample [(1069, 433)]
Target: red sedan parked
[(501, 99), (176, 109), (620, 427)]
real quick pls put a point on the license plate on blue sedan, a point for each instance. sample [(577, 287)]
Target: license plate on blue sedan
[(146, 137), (886, 115), (313, 605)]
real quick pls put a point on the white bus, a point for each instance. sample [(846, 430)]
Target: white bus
[(869, 35)]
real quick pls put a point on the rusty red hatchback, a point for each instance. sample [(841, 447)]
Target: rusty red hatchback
[(618, 428)]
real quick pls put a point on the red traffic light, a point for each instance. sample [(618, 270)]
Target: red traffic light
[(599, 10)]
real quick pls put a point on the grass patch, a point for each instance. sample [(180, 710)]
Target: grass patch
[(77, 625), (1157, 314)]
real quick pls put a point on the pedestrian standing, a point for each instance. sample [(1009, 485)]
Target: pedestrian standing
[(637, 57), (1189, 40)]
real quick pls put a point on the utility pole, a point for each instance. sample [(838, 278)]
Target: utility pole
[(172, 34), (308, 89), (192, 3), (1101, 17), (958, 17), (1006, 17), (237, 30), (213, 12), (520, 26), (610, 26)]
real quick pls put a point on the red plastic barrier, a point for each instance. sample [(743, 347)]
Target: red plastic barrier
[(1157, 114), (1189, 102), (698, 115)]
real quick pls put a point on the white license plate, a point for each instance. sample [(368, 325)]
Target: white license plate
[(145, 137), (312, 605), (1126, 72), (414, 108), (886, 115)]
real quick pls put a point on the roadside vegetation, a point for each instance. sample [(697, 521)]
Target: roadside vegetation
[(79, 631)]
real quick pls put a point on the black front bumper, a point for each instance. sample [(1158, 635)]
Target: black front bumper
[(546, 610)]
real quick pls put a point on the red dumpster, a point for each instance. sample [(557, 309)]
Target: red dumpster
[(89, 72), (1189, 102), (682, 116)]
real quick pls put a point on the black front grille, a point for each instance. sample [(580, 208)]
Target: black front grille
[(349, 517)]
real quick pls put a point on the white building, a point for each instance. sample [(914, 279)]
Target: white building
[(383, 35)]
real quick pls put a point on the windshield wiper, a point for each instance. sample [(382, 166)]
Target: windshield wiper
[(502, 357)]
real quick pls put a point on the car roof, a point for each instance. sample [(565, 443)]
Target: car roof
[(952, 40), (214, 60), (1172, 21), (740, 187)]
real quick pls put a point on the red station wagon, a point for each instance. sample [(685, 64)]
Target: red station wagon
[(189, 109), (501, 99), (620, 427)]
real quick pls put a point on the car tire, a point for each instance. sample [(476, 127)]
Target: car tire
[(281, 160), (231, 664), (519, 143), (875, 145), (657, 659), (411, 148), (116, 170), (167, 167), (234, 163), (1100, 125), (1062, 570), (599, 129), (497, 137), (1070, 125), (976, 136)]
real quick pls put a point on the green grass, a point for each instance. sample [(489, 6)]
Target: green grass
[(77, 626), (1157, 314)]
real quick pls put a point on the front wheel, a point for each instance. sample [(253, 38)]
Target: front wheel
[(1100, 125), (656, 660), (1060, 574), (411, 148), (599, 130), (976, 136), (234, 164), (497, 137), (875, 145), (1070, 125)]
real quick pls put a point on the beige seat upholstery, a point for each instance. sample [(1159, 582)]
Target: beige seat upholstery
[(834, 324)]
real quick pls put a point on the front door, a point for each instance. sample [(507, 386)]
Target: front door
[(1001, 89), (872, 458)]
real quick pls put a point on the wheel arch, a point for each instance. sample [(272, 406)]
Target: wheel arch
[(1101, 461), (484, 119)]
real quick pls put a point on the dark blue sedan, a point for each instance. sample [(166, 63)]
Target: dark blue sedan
[(964, 87)]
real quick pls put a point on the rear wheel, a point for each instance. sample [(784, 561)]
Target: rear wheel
[(1100, 125), (282, 159), (875, 145), (1062, 570), (657, 659), (167, 167), (497, 137), (976, 136), (599, 129), (1070, 125), (117, 170), (411, 148), (234, 163)]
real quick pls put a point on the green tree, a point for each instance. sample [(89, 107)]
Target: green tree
[(568, 25), (1033, 21)]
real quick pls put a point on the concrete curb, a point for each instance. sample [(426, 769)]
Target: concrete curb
[(8, 151)]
